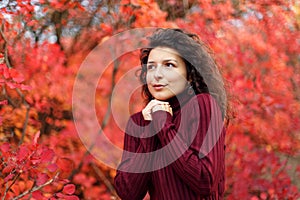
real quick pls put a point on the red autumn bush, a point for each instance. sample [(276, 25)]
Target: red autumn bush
[(43, 43)]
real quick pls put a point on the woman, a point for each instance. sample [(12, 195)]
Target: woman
[(174, 148)]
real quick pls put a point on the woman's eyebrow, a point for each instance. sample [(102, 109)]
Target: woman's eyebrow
[(166, 60)]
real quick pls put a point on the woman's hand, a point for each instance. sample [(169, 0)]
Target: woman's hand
[(155, 105)]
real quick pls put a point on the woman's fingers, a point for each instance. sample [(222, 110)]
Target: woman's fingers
[(148, 109), (161, 105), (155, 105)]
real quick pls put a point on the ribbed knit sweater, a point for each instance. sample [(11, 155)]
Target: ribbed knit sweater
[(175, 157)]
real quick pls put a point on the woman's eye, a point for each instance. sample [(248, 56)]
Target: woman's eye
[(150, 66), (169, 65)]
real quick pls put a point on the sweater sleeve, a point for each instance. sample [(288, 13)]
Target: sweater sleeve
[(197, 146), (133, 176)]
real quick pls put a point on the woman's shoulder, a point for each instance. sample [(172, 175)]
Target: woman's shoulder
[(203, 96), (202, 99)]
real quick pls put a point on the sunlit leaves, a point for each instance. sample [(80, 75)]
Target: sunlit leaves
[(12, 78), (255, 42)]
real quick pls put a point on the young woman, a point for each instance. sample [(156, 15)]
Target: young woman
[(174, 148)]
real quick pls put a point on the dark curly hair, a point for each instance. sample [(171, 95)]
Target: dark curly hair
[(202, 69)]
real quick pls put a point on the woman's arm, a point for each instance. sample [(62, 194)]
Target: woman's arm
[(132, 180), (199, 164)]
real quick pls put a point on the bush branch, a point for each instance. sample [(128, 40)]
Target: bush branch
[(36, 187), (26, 117), (5, 48), (104, 179), (12, 183)]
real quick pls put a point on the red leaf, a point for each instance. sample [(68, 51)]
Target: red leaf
[(72, 197), (9, 177), (66, 197), (5, 147), (65, 164), (41, 178), (69, 189), (12, 85), (4, 102), (16, 76), (23, 153), (35, 160), (52, 167), (38, 195), (5, 72), (64, 181), (47, 155), (25, 87), (60, 195), (298, 169)]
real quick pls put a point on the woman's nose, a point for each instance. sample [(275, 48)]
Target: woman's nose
[(158, 72)]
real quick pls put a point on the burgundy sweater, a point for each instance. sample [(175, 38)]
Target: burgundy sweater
[(174, 157)]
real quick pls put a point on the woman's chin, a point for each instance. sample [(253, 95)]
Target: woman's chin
[(163, 97), (160, 97)]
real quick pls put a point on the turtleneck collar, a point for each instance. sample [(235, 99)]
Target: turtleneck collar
[(179, 100)]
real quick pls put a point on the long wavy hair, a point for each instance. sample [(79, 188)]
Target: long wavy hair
[(202, 69)]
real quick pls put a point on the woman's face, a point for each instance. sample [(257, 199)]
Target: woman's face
[(166, 73)]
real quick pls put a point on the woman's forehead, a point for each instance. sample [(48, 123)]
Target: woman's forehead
[(163, 53)]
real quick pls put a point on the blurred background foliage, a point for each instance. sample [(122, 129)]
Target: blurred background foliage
[(43, 43)]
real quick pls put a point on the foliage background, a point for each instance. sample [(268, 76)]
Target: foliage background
[(43, 43)]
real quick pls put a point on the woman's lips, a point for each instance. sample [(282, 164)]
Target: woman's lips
[(158, 86)]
